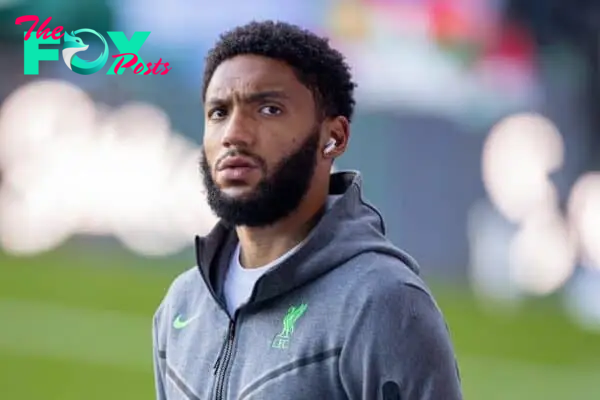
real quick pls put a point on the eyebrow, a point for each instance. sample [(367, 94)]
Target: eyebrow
[(256, 97)]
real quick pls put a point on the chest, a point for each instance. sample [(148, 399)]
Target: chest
[(286, 350)]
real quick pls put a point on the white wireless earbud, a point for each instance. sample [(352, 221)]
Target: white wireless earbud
[(330, 146)]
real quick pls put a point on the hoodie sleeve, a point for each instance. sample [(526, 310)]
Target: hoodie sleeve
[(158, 358), (399, 349)]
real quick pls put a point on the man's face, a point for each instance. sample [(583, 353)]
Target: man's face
[(261, 140)]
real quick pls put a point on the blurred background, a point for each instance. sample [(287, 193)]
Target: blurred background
[(477, 132)]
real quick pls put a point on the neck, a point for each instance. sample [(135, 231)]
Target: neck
[(262, 245)]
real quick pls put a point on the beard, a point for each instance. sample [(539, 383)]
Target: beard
[(276, 195)]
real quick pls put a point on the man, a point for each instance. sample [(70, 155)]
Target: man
[(297, 294)]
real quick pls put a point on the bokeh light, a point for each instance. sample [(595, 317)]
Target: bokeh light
[(543, 253), (518, 155), (584, 214), (79, 168)]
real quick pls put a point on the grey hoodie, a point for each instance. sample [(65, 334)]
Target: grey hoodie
[(345, 317)]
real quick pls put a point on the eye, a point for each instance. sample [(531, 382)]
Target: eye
[(216, 114), (270, 110)]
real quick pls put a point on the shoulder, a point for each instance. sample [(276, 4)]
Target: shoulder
[(184, 288), (386, 288), (384, 275), (186, 282)]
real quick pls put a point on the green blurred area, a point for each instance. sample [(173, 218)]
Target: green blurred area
[(75, 324)]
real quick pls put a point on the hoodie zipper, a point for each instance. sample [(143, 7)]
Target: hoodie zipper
[(222, 364), (225, 356)]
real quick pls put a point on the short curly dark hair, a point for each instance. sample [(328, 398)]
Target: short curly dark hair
[(318, 66)]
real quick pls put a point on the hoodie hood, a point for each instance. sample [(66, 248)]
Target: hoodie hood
[(349, 227)]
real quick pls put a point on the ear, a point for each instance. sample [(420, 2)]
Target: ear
[(338, 129)]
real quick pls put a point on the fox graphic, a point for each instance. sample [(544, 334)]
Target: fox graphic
[(73, 45)]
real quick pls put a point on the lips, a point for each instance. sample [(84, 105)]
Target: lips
[(237, 162), (237, 169)]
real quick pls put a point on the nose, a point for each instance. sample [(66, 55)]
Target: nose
[(239, 131)]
